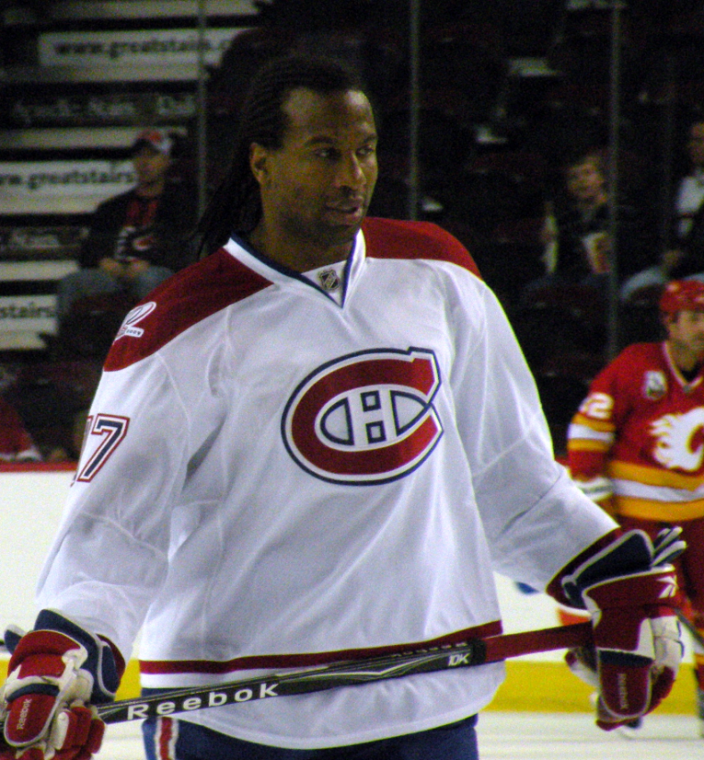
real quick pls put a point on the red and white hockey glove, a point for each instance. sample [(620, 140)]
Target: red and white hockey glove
[(630, 589), (55, 675)]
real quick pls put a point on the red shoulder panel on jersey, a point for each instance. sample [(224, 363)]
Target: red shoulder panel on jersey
[(396, 239), (185, 299), (631, 363)]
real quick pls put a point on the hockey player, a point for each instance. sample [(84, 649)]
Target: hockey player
[(636, 443), (318, 443)]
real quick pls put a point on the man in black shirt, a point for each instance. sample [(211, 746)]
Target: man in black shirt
[(139, 238)]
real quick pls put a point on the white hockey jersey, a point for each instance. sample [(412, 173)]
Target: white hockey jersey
[(272, 478)]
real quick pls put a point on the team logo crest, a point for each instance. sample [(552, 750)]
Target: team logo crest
[(679, 440), (654, 385), (365, 418)]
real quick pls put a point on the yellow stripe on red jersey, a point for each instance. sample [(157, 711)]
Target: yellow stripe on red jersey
[(642, 425)]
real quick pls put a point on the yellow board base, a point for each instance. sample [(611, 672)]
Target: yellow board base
[(551, 687)]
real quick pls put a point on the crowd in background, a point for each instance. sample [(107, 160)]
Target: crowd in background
[(518, 166)]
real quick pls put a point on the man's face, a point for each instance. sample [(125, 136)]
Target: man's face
[(316, 188), (585, 182), (695, 144), (686, 331), (150, 165)]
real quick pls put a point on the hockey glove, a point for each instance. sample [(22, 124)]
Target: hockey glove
[(56, 672), (630, 589)]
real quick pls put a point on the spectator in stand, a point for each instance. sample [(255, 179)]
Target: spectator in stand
[(685, 257), (576, 231), (139, 238)]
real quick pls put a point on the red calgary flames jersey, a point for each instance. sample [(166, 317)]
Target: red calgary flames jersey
[(642, 425)]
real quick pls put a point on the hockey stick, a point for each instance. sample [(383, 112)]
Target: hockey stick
[(348, 673), (693, 632)]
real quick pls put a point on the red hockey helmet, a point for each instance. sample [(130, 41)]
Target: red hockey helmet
[(682, 294)]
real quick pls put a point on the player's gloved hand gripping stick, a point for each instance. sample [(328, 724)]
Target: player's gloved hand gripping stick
[(56, 674), (630, 589)]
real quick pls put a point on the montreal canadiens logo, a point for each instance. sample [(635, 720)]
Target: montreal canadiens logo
[(365, 418)]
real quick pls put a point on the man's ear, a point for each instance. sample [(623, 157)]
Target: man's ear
[(258, 161)]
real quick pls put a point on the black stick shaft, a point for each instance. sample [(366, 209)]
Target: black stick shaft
[(689, 625)]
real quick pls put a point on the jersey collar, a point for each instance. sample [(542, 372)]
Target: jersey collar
[(283, 276), (687, 386)]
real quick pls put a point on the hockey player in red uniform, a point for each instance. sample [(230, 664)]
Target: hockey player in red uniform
[(636, 446), (320, 442)]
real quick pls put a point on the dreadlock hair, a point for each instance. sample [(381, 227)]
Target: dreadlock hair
[(236, 204)]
